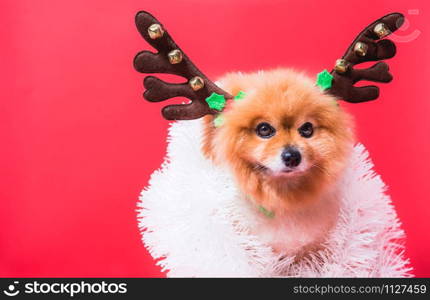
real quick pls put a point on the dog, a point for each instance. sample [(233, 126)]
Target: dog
[(286, 140), (287, 144)]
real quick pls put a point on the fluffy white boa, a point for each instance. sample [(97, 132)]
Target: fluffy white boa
[(190, 212)]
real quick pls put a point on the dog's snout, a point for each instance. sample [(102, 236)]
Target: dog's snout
[(291, 157)]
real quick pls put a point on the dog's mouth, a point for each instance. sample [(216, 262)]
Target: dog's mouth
[(286, 172)]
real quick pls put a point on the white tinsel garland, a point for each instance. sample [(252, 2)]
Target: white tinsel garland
[(190, 212)]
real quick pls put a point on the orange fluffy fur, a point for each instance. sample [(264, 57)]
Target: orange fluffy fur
[(286, 100)]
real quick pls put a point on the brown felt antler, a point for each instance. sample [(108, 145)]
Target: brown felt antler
[(366, 47), (172, 60)]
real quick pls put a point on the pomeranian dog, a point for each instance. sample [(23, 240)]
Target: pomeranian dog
[(287, 144)]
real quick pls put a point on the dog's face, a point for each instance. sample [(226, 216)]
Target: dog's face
[(284, 139)]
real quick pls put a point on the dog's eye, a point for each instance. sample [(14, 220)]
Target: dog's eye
[(306, 130), (265, 130)]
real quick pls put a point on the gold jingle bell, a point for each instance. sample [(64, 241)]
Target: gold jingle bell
[(175, 56), (341, 66), (381, 30), (196, 83), (360, 48), (155, 31)]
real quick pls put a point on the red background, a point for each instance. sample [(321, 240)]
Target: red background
[(78, 143)]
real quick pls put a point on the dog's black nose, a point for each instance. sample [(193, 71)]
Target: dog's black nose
[(291, 157)]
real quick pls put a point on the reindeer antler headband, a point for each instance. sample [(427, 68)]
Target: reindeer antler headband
[(208, 98), (172, 60)]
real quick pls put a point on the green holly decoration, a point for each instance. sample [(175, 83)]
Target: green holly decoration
[(216, 101), (324, 80), (240, 96), (219, 120), (267, 213)]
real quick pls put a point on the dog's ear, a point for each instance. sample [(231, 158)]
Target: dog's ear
[(369, 45), (206, 96)]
